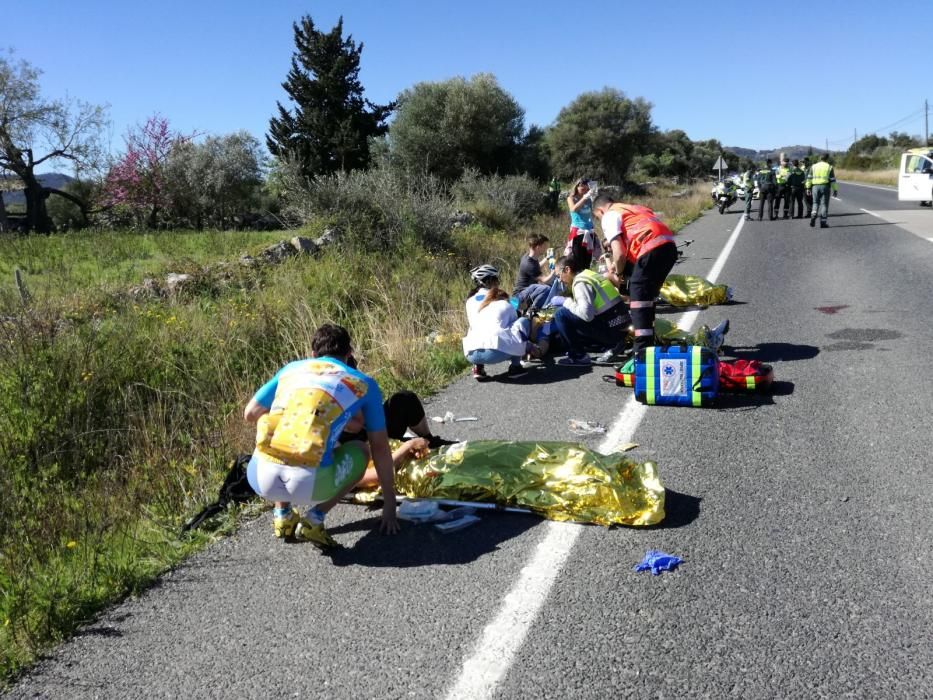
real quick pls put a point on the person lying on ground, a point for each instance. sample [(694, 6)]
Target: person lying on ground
[(496, 333), (533, 287), (594, 314), (300, 414), (404, 414)]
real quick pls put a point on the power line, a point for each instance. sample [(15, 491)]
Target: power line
[(849, 140)]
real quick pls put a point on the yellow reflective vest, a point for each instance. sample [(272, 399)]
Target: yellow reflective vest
[(605, 294), (821, 174)]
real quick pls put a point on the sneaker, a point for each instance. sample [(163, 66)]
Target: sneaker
[(823, 224), (479, 373), (285, 526), (315, 534), (812, 221), (575, 361), (613, 356), (515, 371)]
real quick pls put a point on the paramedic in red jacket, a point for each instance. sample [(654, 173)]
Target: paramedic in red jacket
[(643, 250)]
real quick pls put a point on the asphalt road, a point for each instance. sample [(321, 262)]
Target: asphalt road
[(803, 519)]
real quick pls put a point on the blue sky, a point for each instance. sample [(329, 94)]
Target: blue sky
[(774, 74)]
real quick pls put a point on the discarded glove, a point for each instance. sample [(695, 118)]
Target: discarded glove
[(658, 561)]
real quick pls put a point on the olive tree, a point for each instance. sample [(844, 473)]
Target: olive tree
[(36, 130), (599, 134), (445, 127)]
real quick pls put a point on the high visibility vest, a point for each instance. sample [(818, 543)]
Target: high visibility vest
[(820, 174), (605, 294), (782, 174), (765, 177), (644, 231)]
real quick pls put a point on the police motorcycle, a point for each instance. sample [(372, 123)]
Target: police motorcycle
[(724, 195)]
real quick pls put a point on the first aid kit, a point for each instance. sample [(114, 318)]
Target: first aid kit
[(679, 375)]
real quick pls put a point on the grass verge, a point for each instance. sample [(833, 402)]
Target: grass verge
[(871, 177)]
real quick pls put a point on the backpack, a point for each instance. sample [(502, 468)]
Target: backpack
[(235, 489)]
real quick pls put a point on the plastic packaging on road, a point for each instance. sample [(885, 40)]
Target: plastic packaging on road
[(582, 427), (657, 561), (449, 417)]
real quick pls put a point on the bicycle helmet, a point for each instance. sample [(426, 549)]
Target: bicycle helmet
[(484, 274)]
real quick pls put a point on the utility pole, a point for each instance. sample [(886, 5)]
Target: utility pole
[(854, 135), (926, 123), (827, 145)]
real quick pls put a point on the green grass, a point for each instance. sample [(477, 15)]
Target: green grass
[(118, 418), (65, 263), (874, 177)]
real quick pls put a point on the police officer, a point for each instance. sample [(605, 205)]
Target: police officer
[(766, 185), (795, 182), (820, 179), (782, 191), (748, 183), (807, 194)]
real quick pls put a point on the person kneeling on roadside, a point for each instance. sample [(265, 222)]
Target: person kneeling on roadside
[(643, 250), (300, 414), (594, 314), (496, 333)]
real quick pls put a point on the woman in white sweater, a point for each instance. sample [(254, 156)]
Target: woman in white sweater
[(496, 334)]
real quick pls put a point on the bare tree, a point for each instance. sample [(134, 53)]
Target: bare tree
[(35, 130)]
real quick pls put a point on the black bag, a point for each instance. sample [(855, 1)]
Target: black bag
[(235, 489)]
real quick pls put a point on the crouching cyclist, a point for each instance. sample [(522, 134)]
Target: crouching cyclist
[(643, 250), (300, 414)]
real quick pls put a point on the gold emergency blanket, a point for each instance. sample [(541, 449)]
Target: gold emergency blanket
[(558, 480), (690, 290), (669, 332)]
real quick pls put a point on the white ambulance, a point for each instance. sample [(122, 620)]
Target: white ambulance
[(915, 177)]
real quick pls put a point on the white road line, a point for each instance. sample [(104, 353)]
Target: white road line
[(874, 187), (870, 212), (503, 637), (930, 239)]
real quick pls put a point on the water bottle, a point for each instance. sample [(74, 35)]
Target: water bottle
[(550, 258)]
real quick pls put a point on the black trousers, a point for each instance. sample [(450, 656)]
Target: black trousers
[(782, 194), (403, 410), (648, 275), (767, 193), (796, 204), (808, 198)]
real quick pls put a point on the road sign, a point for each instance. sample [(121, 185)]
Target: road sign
[(720, 164)]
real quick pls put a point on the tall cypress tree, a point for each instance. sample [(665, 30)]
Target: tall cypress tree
[(331, 123)]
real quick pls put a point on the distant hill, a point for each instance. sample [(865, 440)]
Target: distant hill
[(16, 197), (792, 152)]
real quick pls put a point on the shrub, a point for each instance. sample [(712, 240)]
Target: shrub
[(499, 201), (372, 208)]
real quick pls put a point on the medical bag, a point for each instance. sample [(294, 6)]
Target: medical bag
[(678, 375)]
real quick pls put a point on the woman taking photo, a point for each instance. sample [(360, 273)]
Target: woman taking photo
[(581, 242)]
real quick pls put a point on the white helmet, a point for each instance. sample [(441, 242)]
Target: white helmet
[(484, 274)]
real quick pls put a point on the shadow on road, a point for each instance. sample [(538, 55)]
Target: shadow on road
[(680, 509), (547, 373), (423, 545), (772, 352)]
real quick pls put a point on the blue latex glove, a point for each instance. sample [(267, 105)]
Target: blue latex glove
[(657, 561), (557, 301)]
